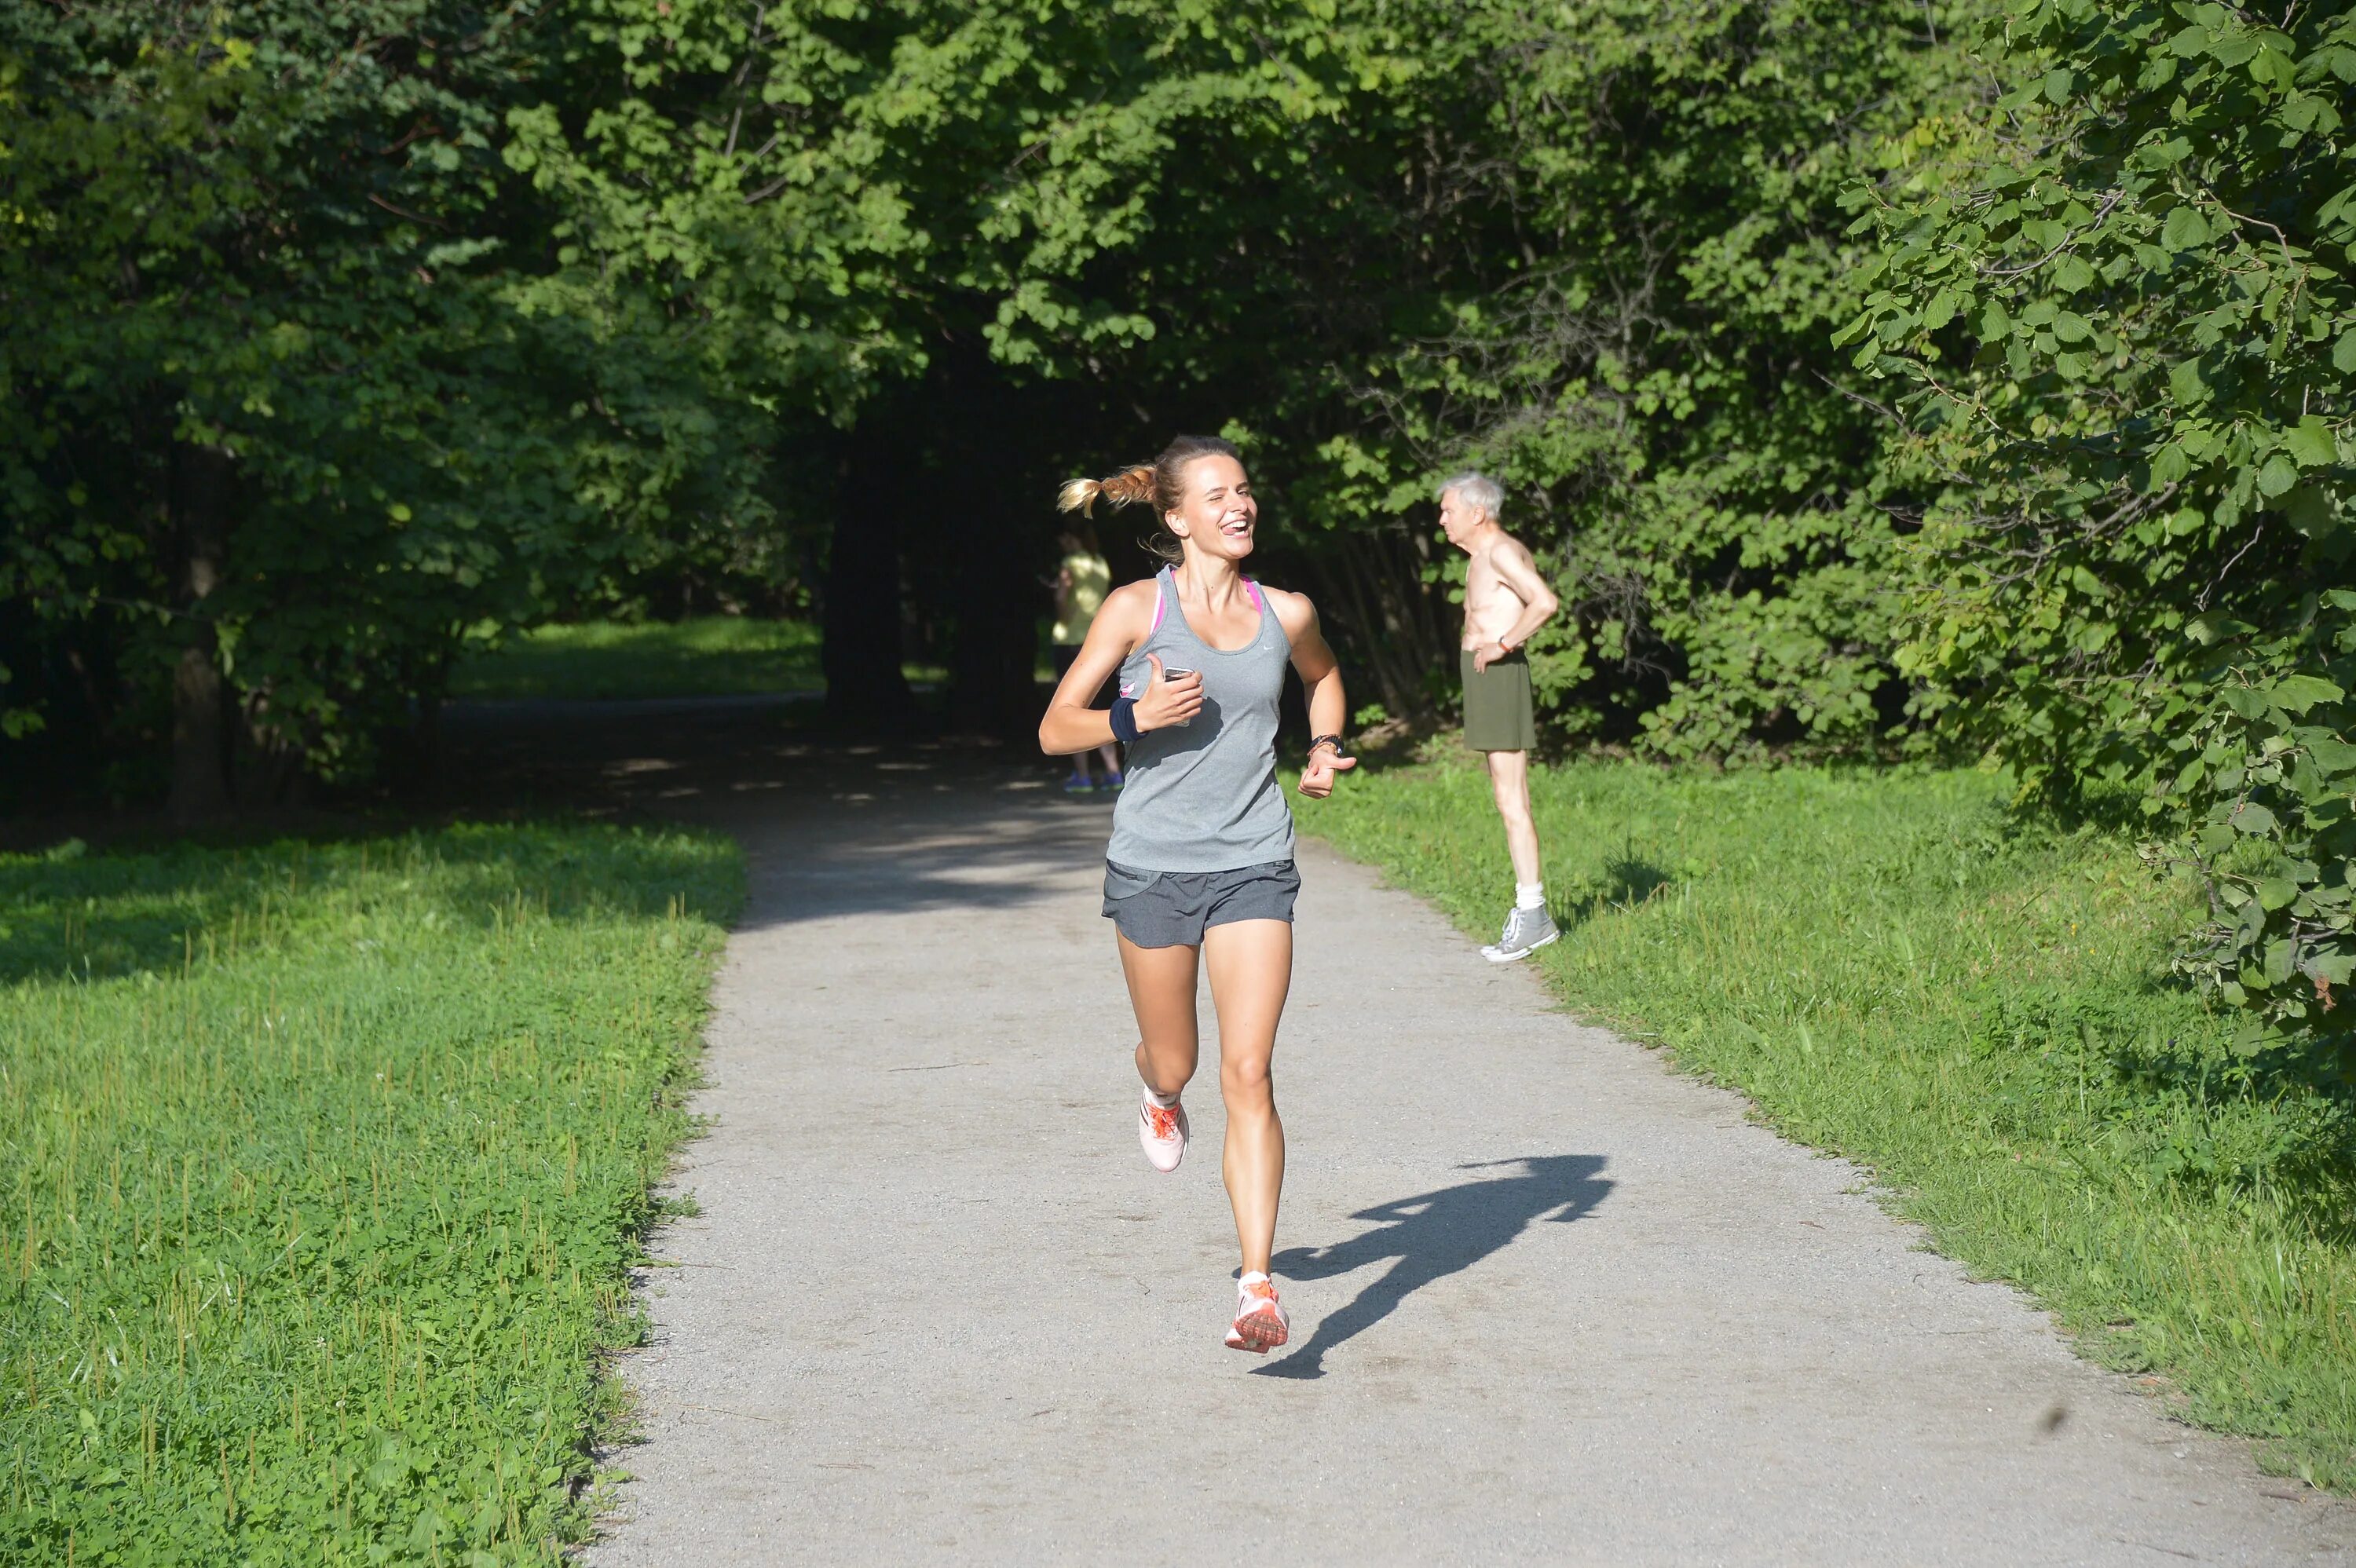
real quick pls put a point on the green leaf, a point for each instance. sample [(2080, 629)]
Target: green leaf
[(2278, 475), (2215, 628), (2298, 693), (2281, 959), (2254, 819), (2184, 229), (2332, 755), (2310, 443), (2278, 892), (2309, 510)]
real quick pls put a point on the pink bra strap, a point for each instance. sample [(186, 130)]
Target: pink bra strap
[(1253, 589)]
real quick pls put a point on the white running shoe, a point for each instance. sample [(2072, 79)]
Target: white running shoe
[(1163, 1130), (1261, 1323)]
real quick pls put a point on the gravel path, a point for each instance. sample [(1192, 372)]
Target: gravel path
[(1551, 1303)]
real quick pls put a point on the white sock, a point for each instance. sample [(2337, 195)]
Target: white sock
[(1164, 1101), (1529, 895)]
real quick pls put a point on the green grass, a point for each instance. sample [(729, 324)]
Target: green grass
[(1891, 968), (715, 655), (322, 1168)]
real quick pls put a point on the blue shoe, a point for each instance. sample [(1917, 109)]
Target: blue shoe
[(1076, 786), (1113, 783)]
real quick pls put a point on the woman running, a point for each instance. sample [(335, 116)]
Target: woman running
[(1201, 858)]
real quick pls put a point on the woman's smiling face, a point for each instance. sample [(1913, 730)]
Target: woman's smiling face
[(1219, 513)]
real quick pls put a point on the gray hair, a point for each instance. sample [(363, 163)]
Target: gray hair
[(1478, 490)]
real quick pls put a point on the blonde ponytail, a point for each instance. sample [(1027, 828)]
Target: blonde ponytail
[(1131, 486)]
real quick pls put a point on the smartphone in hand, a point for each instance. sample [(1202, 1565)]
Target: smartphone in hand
[(1177, 672)]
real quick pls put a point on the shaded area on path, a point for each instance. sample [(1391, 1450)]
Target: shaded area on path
[(1431, 1235)]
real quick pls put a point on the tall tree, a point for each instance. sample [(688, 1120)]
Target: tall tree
[(292, 425)]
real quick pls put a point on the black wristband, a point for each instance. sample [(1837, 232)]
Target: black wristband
[(1124, 719), (1334, 740)]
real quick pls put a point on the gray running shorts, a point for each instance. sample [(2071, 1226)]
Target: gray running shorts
[(1172, 909)]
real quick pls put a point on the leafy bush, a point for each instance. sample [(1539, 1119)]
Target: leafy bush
[(2119, 297)]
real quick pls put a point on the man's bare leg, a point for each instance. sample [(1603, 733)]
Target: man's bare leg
[(1509, 780), (1529, 925)]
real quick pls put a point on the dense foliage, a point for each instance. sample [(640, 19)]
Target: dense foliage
[(326, 1164), (1642, 351), (1875, 378), (2122, 295), (292, 410)]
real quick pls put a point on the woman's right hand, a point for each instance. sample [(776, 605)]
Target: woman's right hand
[(1164, 702)]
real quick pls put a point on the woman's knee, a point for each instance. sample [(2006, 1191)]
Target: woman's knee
[(1247, 1083)]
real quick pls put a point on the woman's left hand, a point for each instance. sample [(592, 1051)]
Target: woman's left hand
[(1317, 773)]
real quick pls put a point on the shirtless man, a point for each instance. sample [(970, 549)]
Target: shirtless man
[(1504, 600)]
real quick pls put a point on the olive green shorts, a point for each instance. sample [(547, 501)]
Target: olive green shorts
[(1498, 713)]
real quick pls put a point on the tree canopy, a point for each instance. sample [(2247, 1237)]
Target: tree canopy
[(1963, 377)]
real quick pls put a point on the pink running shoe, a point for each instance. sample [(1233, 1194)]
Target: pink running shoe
[(1260, 1322), (1163, 1130)]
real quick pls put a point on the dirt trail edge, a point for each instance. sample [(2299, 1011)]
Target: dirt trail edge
[(1550, 1302)]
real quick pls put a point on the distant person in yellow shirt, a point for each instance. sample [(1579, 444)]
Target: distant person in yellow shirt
[(1081, 583)]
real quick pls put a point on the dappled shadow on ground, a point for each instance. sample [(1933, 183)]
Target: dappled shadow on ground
[(834, 826), (808, 806), (944, 851), (1432, 1236)]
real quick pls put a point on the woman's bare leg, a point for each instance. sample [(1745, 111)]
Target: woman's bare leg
[(1251, 971), (1162, 990)]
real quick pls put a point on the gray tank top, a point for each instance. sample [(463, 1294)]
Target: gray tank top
[(1203, 796)]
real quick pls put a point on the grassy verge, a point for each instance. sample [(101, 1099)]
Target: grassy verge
[(323, 1167), (1892, 970), (715, 655)]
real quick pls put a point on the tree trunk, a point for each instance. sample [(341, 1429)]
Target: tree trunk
[(201, 479), (865, 689)]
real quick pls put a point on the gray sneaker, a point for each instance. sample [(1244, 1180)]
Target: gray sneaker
[(1526, 931)]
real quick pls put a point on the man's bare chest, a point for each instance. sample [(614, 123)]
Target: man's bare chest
[(1485, 587)]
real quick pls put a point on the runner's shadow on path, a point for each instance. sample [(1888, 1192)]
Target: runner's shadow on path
[(1432, 1236)]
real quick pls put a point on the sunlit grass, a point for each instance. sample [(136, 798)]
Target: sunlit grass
[(1893, 969), (320, 1170), (712, 656)]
